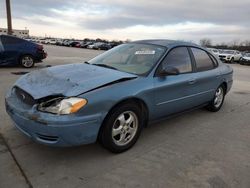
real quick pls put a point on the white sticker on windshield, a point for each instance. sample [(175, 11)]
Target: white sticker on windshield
[(145, 52)]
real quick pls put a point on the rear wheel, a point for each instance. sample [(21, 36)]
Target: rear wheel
[(27, 61), (122, 128), (218, 100)]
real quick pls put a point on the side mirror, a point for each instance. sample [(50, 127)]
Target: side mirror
[(169, 70)]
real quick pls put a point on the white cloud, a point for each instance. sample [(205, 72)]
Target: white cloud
[(223, 20)]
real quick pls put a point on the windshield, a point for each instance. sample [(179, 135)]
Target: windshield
[(132, 58), (247, 55), (228, 52)]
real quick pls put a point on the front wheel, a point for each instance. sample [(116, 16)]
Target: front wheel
[(27, 61), (121, 128), (218, 100), (232, 60)]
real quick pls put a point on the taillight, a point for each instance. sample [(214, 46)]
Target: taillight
[(40, 47)]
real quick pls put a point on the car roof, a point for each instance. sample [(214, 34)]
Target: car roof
[(166, 43)]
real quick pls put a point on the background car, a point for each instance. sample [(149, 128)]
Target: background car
[(245, 60), (91, 46), (75, 44), (101, 46), (17, 51), (214, 51), (85, 44), (114, 95), (230, 56), (51, 41), (66, 42)]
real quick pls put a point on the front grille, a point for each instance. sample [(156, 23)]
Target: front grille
[(24, 96), (222, 56)]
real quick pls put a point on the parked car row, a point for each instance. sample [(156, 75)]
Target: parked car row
[(231, 56), (90, 44)]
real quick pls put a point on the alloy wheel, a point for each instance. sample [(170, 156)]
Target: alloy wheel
[(124, 128)]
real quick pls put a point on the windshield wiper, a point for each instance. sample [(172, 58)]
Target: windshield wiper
[(104, 65), (86, 62)]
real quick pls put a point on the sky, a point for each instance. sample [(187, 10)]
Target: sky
[(190, 20)]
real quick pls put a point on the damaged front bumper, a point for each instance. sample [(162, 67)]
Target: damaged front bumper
[(50, 129)]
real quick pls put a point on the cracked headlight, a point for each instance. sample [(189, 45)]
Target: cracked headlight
[(62, 105)]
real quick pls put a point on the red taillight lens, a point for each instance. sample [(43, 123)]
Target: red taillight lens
[(40, 47)]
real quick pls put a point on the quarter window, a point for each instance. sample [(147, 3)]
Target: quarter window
[(180, 59), (203, 61)]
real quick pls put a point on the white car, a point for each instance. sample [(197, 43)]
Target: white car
[(230, 56), (245, 60), (51, 41)]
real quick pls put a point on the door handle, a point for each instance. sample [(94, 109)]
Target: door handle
[(192, 81)]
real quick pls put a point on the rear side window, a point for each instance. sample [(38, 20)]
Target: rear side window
[(10, 40), (179, 58), (203, 61)]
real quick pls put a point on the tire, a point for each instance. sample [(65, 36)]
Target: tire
[(232, 60), (121, 128), (217, 102), (27, 61)]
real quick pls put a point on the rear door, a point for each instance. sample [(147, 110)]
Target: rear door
[(207, 75), (173, 93), (12, 49)]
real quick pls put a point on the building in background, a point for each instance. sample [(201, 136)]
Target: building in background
[(19, 33)]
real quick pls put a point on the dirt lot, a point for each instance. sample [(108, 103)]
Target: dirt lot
[(197, 149)]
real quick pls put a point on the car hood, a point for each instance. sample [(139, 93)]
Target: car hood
[(226, 54), (69, 80), (247, 58)]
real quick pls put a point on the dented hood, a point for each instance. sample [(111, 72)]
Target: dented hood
[(68, 80)]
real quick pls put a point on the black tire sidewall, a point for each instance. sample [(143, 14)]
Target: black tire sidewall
[(106, 130)]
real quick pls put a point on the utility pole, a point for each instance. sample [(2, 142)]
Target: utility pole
[(9, 17)]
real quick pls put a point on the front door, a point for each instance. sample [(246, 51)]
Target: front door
[(174, 93)]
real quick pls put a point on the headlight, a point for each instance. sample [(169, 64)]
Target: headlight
[(62, 105)]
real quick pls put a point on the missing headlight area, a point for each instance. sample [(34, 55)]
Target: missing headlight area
[(50, 104), (24, 96)]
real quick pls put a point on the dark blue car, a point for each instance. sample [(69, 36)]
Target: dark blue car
[(113, 96), (17, 51)]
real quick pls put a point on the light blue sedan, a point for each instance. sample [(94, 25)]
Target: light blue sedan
[(113, 96)]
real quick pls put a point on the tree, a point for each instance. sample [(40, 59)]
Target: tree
[(206, 42)]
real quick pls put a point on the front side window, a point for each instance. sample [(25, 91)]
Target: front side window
[(203, 61), (132, 58), (180, 59)]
